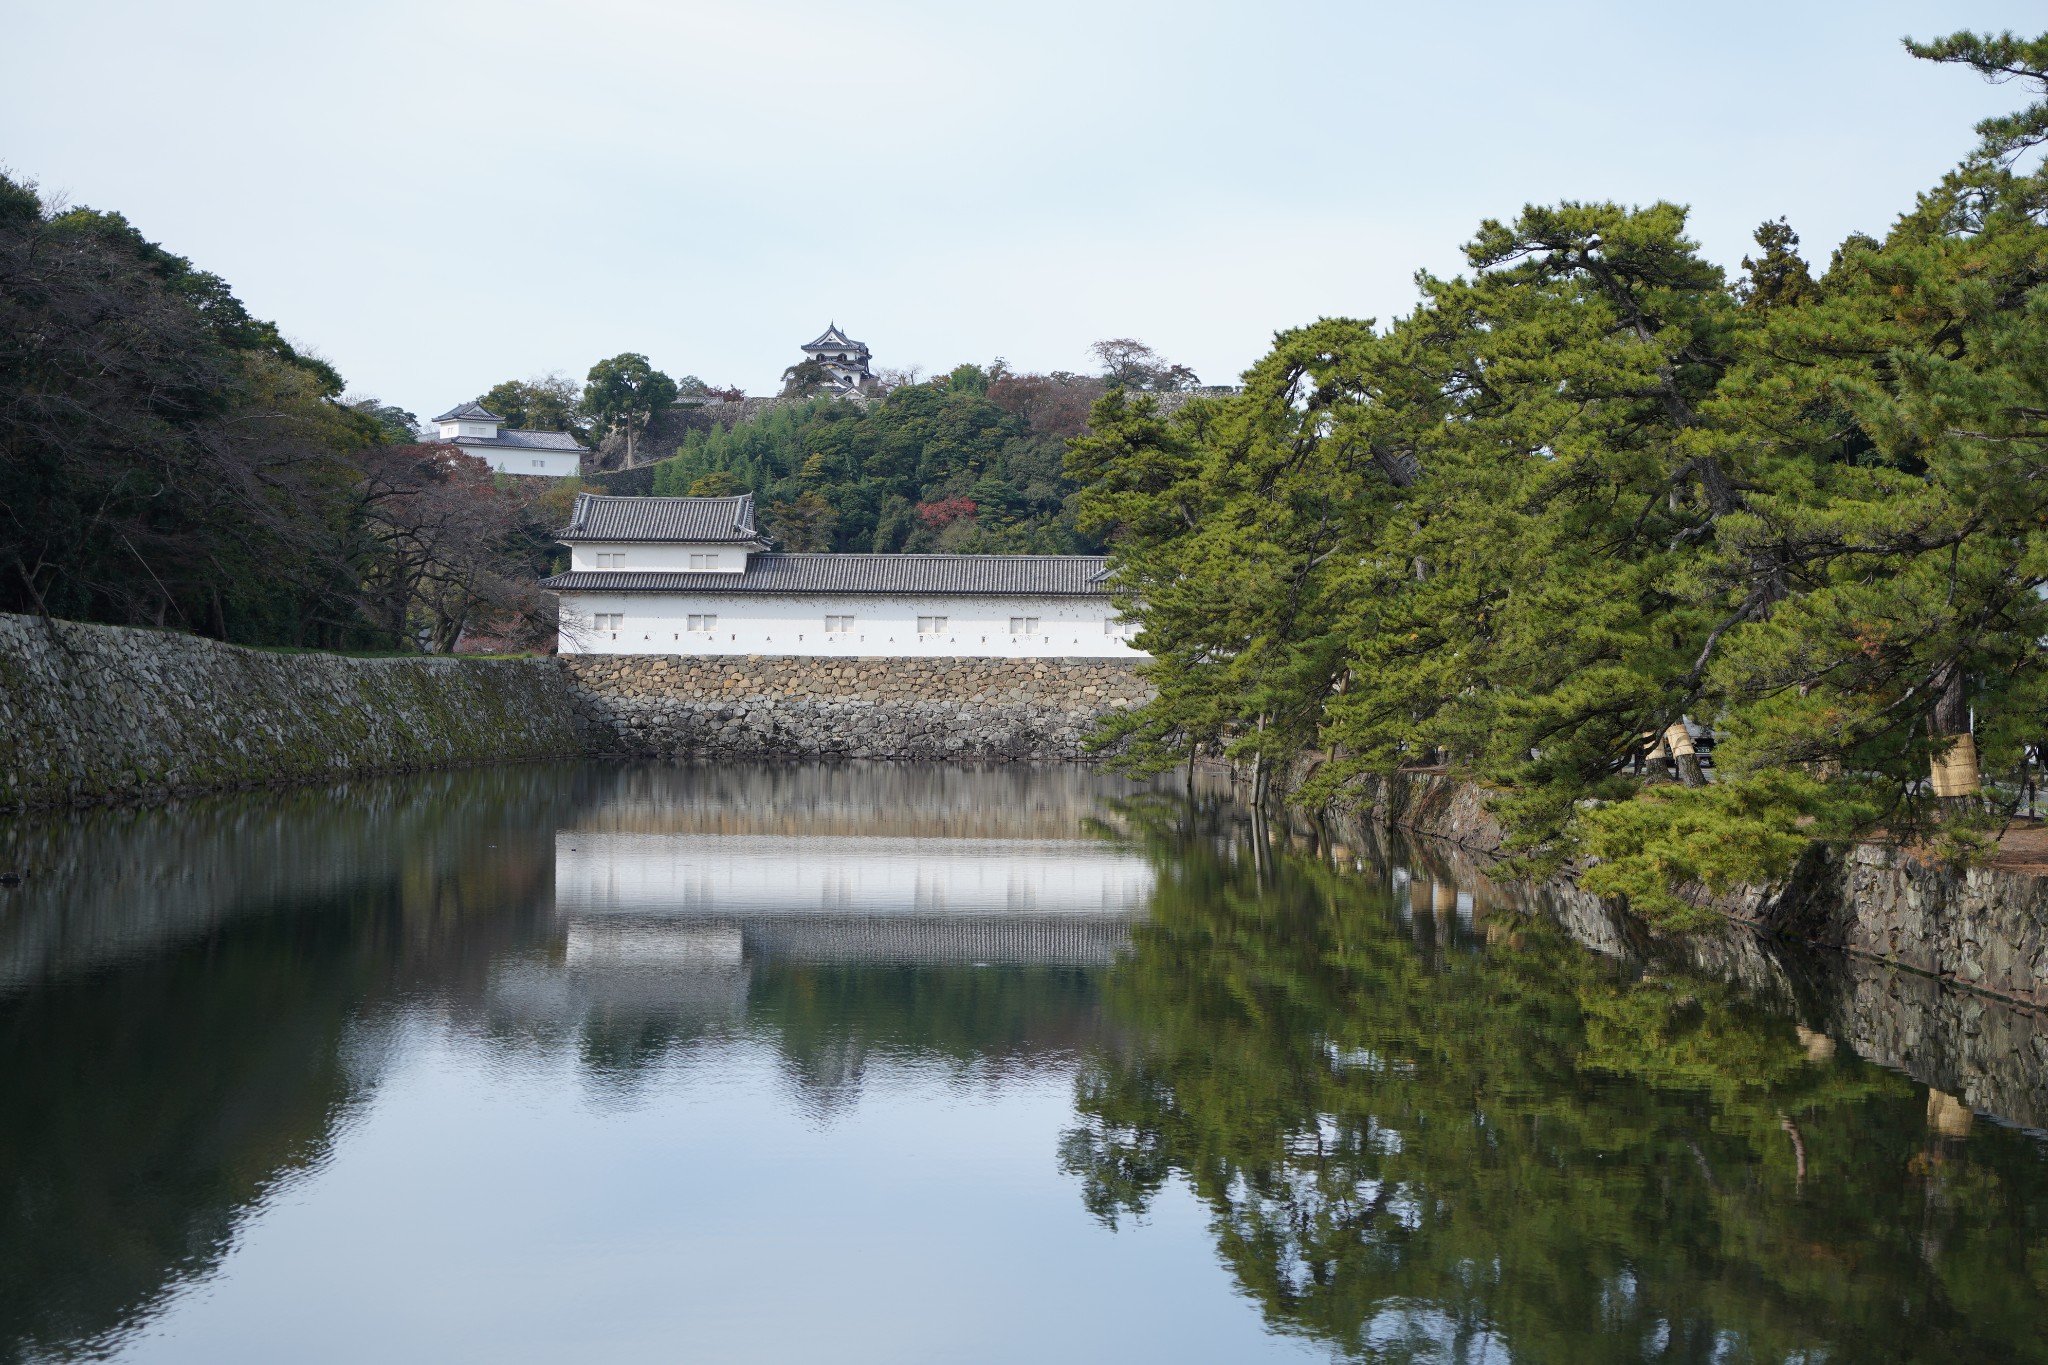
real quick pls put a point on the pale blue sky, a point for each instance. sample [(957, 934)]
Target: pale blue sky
[(440, 194)]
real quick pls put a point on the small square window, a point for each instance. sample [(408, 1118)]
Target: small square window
[(702, 623), (1023, 625), (615, 559), (703, 561), (540, 464), (839, 625), (610, 620), (931, 625)]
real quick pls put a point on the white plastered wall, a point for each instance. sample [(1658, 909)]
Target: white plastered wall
[(551, 464), (883, 627), (642, 555)]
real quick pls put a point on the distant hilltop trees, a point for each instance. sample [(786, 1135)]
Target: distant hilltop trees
[(167, 459), (631, 414), (971, 461)]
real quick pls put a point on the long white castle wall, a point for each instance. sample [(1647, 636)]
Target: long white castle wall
[(551, 464), (884, 627)]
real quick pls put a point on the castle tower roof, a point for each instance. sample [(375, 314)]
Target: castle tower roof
[(834, 340), (469, 412)]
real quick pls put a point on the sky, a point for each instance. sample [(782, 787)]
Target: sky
[(437, 195)]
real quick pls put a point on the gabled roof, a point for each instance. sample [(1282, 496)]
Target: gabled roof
[(833, 339), (599, 516), (469, 412), (878, 575), (523, 440)]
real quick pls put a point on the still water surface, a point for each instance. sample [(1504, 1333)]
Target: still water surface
[(917, 1064)]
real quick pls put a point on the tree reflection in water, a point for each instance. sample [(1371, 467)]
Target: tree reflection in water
[(1426, 1139), (1422, 1132)]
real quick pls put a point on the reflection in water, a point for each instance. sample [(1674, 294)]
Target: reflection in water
[(176, 989), (1415, 1115), (778, 875), (1431, 1125)]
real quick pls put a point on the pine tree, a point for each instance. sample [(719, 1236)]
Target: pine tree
[(1590, 501)]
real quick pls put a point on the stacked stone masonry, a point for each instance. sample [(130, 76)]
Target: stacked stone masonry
[(97, 713), (1985, 928), (983, 709), (1990, 1054)]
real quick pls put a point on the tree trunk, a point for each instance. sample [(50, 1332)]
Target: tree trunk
[(1954, 766), (1678, 740), (1259, 769)]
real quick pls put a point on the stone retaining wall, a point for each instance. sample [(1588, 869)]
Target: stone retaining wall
[(1981, 927), (95, 713), (761, 707), (1990, 1054), (1984, 927)]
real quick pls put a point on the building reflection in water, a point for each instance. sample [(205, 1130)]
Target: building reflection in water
[(708, 869), (828, 907), (1417, 1109)]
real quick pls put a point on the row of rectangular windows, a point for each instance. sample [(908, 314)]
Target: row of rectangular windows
[(843, 625)]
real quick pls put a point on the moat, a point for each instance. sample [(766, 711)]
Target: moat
[(916, 1063)]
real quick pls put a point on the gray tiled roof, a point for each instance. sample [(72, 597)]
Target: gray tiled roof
[(525, 440), (833, 339), (469, 412), (888, 575), (600, 517)]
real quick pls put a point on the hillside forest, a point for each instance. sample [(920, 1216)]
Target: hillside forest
[(169, 460), (971, 462), (1595, 508)]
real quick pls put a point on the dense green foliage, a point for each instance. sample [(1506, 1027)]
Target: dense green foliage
[(163, 455), (970, 462), (546, 403), (167, 459), (1417, 1139), (624, 394), (1594, 489)]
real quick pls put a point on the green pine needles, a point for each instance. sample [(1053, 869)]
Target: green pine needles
[(1594, 490)]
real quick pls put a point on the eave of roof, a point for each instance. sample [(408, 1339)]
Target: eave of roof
[(560, 442), (723, 521), (469, 412), (832, 340), (864, 575)]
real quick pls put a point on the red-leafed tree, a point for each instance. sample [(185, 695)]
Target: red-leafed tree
[(945, 512)]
